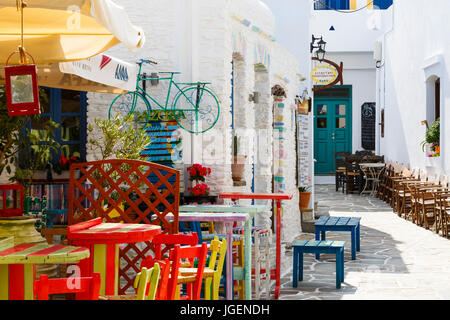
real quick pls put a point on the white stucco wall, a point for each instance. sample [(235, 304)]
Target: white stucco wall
[(352, 42), (196, 38), (353, 32), (360, 73), (415, 50)]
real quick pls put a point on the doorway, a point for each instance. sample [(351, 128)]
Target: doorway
[(332, 127)]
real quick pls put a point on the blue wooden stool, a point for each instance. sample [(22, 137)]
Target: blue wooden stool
[(340, 224), (317, 247)]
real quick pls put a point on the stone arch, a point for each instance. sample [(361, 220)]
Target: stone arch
[(239, 44)]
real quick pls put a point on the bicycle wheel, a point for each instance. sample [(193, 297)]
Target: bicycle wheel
[(198, 110), (130, 103)]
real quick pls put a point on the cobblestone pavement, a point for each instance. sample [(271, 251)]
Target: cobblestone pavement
[(398, 260)]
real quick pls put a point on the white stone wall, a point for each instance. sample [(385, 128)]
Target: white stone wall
[(195, 38), (415, 50), (285, 65)]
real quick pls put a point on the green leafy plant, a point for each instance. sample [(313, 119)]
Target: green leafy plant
[(117, 138), (33, 147), (433, 134), (304, 189)]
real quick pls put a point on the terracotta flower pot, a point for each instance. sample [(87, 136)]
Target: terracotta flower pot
[(238, 167), (304, 200)]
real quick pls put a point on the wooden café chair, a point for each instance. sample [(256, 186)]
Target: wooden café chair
[(85, 288), (353, 176), (146, 283), (169, 240), (422, 201), (426, 202), (339, 164), (401, 196), (177, 256), (213, 273), (443, 213), (386, 175), (409, 193)]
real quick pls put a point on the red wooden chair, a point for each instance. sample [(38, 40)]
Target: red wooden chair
[(169, 240), (194, 282), (85, 288), (163, 286)]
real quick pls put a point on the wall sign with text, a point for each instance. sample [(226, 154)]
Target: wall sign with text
[(324, 74), (327, 74)]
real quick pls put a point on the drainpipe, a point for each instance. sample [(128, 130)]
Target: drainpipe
[(388, 32)]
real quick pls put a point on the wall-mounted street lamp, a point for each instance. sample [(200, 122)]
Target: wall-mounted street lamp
[(320, 46), (320, 54)]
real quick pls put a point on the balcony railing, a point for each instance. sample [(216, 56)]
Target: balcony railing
[(351, 5)]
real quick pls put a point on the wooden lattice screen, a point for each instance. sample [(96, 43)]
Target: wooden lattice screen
[(129, 191)]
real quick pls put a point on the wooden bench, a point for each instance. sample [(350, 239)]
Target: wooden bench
[(311, 246), (351, 225)]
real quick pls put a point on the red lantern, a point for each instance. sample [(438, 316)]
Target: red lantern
[(22, 90)]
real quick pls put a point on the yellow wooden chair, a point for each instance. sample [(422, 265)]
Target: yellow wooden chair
[(145, 280), (146, 283), (212, 273)]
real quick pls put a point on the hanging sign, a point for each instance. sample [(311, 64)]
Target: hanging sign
[(324, 74), (327, 75)]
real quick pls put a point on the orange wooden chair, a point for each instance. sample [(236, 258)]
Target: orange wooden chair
[(85, 288), (193, 282), (168, 240)]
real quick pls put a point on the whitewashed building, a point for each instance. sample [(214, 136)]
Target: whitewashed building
[(230, 44), (414, 82), (350, 28)]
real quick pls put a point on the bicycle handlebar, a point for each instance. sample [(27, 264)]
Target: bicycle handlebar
[(147, 61)]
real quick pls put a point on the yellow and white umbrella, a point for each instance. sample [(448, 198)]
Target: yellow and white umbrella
[(65, 30)]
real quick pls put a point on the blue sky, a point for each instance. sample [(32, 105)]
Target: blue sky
[(292, 28)]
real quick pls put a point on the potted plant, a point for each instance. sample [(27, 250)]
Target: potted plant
[(238, 165), (200, 190), (64, 163), (432, 139), (305, 196), (197, 173)]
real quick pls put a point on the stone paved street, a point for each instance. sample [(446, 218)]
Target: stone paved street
[(398, 260)]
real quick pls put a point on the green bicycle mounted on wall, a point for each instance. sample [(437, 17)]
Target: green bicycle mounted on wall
[(194, 107)]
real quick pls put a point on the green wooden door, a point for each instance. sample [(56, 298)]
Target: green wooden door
[(332, 132)]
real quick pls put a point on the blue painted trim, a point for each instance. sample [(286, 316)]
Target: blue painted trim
[(56, 115), (232, 94)]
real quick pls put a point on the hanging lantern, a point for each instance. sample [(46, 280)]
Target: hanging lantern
[(22, 92)]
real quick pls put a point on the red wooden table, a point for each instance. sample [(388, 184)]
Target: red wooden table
[(103, 241), (277, 197)]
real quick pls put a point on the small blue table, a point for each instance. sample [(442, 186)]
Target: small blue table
[(340, 224), (310, 246)]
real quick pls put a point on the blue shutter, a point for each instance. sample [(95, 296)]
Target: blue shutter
[(344, 5), (382, 4)]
